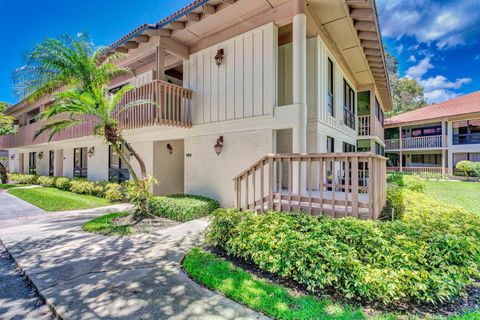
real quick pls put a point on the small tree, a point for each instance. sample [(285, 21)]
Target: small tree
[(6, 127), (465, 166), (82, 75)]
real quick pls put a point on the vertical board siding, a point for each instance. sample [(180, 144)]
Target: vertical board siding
[(243, 86)]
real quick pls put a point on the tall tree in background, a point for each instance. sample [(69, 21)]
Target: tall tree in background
[(6, 127), (407, 93)]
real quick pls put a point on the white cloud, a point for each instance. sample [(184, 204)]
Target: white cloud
[(446, 23), (417, 71), (441, 82), (477, 57), (439, 88), (412, 58)]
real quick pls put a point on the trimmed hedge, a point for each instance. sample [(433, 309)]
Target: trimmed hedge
[(183, 207), (430, 255)]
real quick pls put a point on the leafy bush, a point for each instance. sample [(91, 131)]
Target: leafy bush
[(395, 206), (82, 186), (430, 255), (433, 176), (465, 166), (397, 178), (62, 183), (46, 181), (183, 207), (23, 178), (413, 183), (114, 192)]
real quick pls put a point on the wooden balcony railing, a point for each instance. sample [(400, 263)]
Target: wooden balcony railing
[(426, 142), (336, 184), (415, 169), (172, 109), (370, 126)]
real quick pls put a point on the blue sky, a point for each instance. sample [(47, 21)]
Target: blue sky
[(436, 42)]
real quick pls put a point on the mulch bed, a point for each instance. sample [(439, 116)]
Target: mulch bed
[(471, 300)]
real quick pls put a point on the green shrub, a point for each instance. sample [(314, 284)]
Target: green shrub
[(62, 183), (413, 183), (46, 181), (465, 166), (430, 255), (432, 176), (183, 207), (82, 186), (395, 206), (23, 178), (396, 177), (98, 191), (114, 192)]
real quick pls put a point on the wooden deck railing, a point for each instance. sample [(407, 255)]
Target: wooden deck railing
[(426, 142), (370, 126), (336, 184), (172, 109), (416, 169)]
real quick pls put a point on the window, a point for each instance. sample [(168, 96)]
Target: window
[(51, 163), (33, 116), (80, 162), (348, 105), (331, 109), (379, 112), (466, 132), (347, 147), (32, 163), (330, 144), (379, 149), (428, 131), (117, 172)]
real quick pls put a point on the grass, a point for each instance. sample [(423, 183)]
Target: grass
[(459, 193), (51, 199), (10, 186), (275, 300), (105, 225)]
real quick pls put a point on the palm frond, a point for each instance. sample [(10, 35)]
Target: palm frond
[(56, 126)]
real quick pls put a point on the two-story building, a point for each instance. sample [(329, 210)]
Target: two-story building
[(434, 138), (236, 80)]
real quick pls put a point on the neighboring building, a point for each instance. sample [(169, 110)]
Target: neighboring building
[(252, 77), (435, 137)]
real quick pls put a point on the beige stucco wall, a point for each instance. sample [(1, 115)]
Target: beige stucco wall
[(168, 168), (211, 175)]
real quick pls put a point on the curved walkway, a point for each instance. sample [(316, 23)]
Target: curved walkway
[(87, 276)]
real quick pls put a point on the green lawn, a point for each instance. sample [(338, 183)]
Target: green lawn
[(51, 199), (275, 300), (104, 225), (460, 193)]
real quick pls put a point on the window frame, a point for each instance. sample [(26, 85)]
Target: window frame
[(117, 174), (330, 144), (32, 162), (348, 147), (330, 87), (51, 163), (349, 105), (80, 171)]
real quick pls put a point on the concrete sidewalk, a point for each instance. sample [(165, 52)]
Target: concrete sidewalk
[(86, 276)]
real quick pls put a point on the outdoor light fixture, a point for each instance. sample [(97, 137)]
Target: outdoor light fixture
[(40, 155), (91, 152), (12, 156), (219, 57), (218, 146), (170, 148)]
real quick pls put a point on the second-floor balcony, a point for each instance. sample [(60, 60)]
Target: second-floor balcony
[(370, 126), (423, 142), (172, 109)]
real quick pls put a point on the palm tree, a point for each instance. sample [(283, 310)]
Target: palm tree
[(78, 76), (6, 127)]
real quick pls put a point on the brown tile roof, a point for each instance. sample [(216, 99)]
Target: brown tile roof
[(466, 104)]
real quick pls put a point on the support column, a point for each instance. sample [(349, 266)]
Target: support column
[(299, 81), (444, 154), (401, 147), (160, 60)]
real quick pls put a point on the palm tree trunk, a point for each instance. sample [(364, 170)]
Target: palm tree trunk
[(3, 173), (144, 210)]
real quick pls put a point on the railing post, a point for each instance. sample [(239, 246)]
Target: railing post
[(271, 177)]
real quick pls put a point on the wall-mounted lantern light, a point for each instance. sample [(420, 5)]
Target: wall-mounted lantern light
[(40, 155), (170, 148), (218, 146), (12, 156), (219, 57), (91, 152)]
